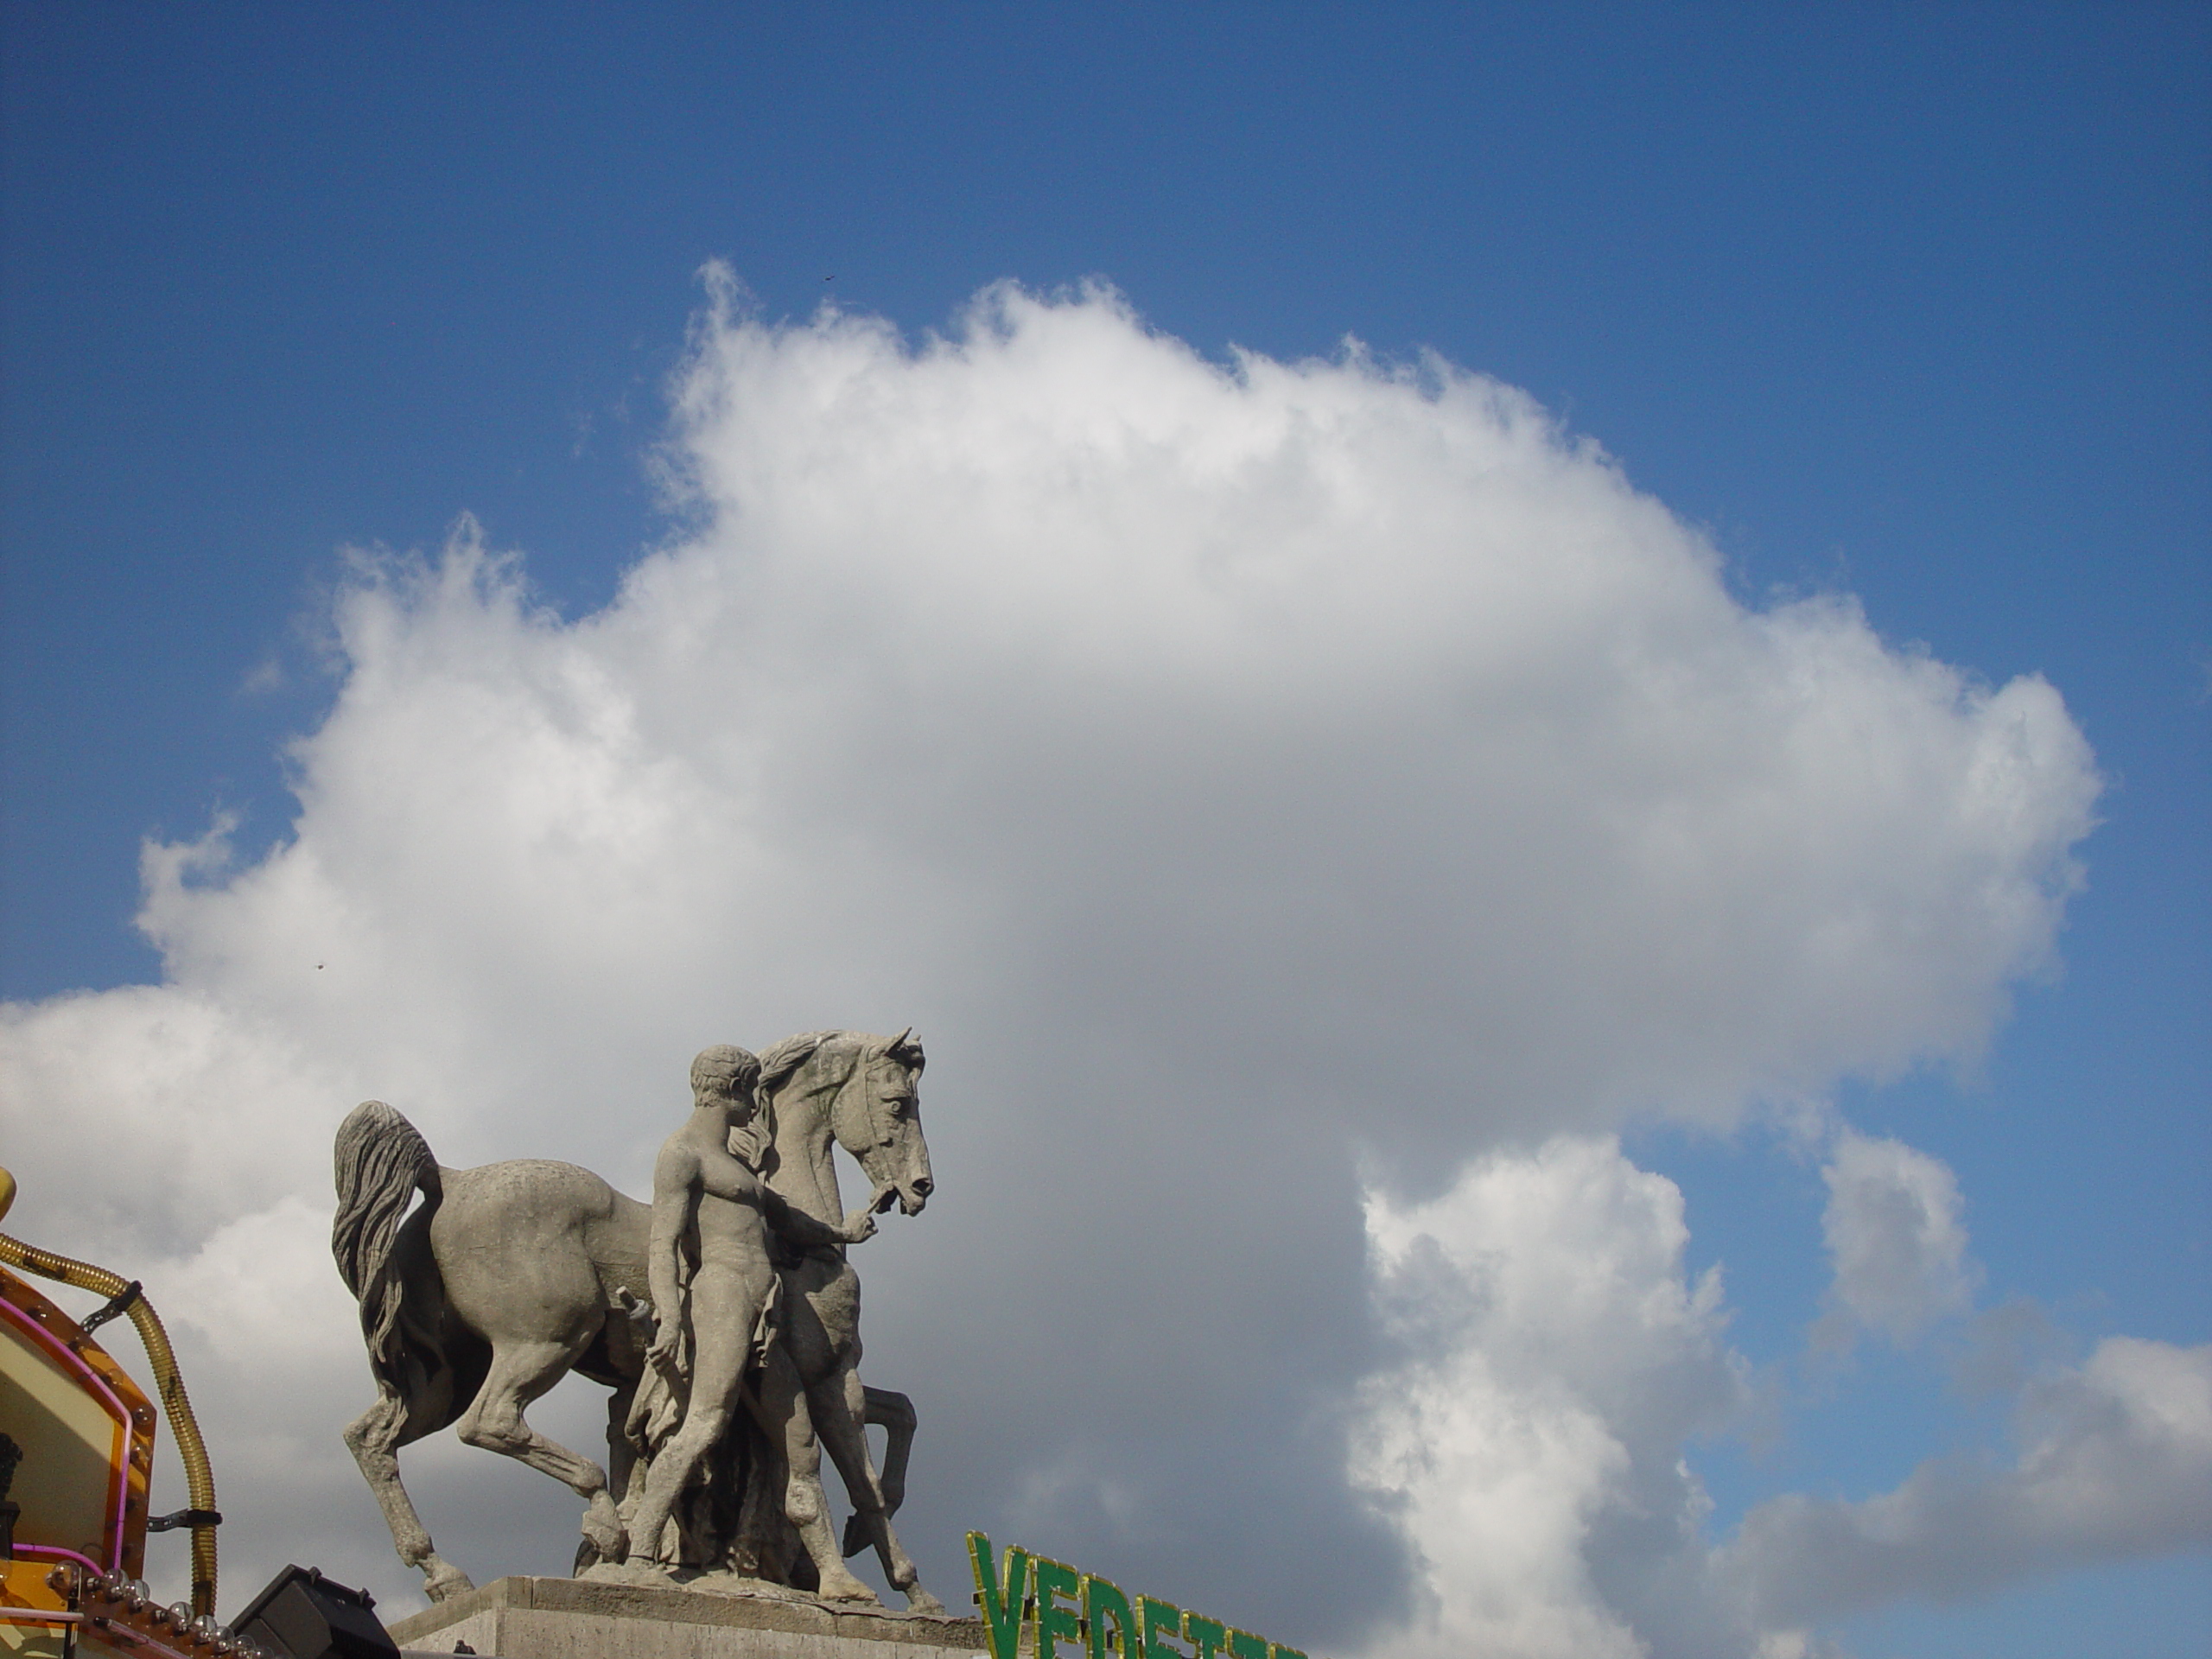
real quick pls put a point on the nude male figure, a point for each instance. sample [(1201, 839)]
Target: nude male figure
[(707, 1204)]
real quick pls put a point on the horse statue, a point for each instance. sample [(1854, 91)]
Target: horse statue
[(510, 1275)]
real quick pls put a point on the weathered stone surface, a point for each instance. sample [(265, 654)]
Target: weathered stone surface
[(572, 1618), (732, 1288)]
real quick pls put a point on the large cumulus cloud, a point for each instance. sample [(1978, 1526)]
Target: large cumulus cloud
[(1246, 776)]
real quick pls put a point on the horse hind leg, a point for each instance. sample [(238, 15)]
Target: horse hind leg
[(621, 1464), (374, 1438), (520, 1373)]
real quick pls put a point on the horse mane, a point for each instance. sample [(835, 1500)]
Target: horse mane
[(781, 1062)]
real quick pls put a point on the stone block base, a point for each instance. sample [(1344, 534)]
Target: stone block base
[(569, 1619)]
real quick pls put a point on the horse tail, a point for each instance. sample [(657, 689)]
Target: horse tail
[(379, 1161)]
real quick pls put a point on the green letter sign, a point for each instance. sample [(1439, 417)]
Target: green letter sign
[(1053, 1581), (1102, 1600), (1002, 1608), (1204, 1635), (1163, 1621), (1045, 1594)]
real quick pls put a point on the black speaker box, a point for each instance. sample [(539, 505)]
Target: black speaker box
[(300, 1613)]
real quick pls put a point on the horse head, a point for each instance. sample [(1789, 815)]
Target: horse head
[(877, 1119)]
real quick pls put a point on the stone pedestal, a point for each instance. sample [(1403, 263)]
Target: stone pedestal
[(569, 1619)]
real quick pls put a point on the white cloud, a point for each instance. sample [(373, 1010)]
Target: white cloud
[(1895, 1236), (1554, 1360), (1528, 1444), (2114, 1462), (1229, 769)]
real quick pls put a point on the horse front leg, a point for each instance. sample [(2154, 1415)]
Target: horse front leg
[(784, 1417), (374, 1438), (841, 1419), (520, 1373)]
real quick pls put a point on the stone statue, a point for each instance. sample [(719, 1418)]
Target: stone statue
[(511, 1274), (714, 1294)]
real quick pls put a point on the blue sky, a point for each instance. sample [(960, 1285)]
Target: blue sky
[(1912, 306)]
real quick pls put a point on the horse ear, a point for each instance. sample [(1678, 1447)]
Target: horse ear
[(906, 1049)]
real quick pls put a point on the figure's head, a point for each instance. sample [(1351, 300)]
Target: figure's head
[(724, 1076)]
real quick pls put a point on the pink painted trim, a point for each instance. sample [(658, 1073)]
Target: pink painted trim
[(73, 1361), (38, 1616), (85, 1562)]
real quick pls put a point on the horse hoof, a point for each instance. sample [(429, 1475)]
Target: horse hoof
[(847, 1588), (603, 1536), (444, 1582), (589, 1555), (920, 1600)]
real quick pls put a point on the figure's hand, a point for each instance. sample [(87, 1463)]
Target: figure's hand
[(859, 1226), (661, 1357)]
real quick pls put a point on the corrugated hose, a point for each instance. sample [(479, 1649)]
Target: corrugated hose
[(125, 1298)]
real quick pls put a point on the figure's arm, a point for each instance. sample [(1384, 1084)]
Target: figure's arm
[(675, 1196), (805, 1230)]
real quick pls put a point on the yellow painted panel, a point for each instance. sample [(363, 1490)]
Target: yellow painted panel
[(33, 1641), (72, 1445), (23, 1589)]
